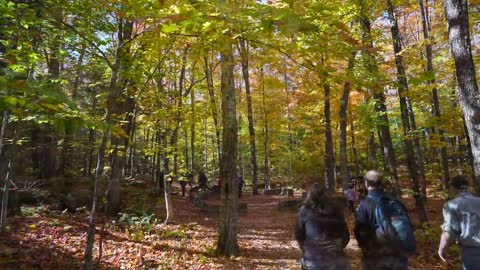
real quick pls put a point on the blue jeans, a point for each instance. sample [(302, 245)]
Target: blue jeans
[(471, 258)]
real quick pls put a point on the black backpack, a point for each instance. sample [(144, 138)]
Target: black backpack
[(393, 223)]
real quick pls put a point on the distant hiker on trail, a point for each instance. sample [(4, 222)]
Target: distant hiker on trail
[(202, 180), (462, 223), (351, 196), (353, 181), (362, 189), (183, 180), (385, 245), (321, 232)]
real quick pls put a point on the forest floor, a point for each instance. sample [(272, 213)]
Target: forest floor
[(43, 239)]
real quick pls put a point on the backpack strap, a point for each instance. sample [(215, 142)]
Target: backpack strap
[(376, 199)]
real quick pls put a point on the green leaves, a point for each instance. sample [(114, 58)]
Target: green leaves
[(170, 28)]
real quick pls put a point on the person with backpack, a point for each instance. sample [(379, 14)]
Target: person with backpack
[(183, 180), (321, 232), (382, 228), (462, 223), (202, 180), (351, 196)]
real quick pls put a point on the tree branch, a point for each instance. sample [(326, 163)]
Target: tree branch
[(73, 29), (305, 65)]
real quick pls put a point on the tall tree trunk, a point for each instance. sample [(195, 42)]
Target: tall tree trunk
[(353, 144), (289, 123), (88, 255), (119, 103), (382, 153), (343, 125), (151, 165), (329, 153), (78, 73), (91, 140), (380, 108), (205, 137), (5, 166), (131, 146), (66, 157), (227, 241), (266, 161), (192, 130), (372, 150), (186, 153), (251, 125), (168, 202), (159, 175), (213, 104), (468, 93), (435, 99), (407, 119)]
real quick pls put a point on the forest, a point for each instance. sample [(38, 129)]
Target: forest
[(109, 108)]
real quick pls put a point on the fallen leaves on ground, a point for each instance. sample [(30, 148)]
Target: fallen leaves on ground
[(56, 240)]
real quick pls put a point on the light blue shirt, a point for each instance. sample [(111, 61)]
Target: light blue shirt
[(462, 219)]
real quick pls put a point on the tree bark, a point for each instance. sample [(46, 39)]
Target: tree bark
[(192, 130), (88, 255), (468, 94), (372, 150), (289, 123), (435, 99), (329, 153), (343, 124), (380, 108), (5, 166), (251, 125), (119, 103), (159, 174), (227, 242), (354, 144), (131, 147), (266, 160), (407, 120), (168, 202), (213, 105), (186, 153)]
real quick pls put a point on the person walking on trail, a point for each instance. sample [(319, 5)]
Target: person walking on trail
[(351, 196), (353, 181), (361, 189), (183, 180), (321, 232), (385, 245), (202, 180), (462, 223)]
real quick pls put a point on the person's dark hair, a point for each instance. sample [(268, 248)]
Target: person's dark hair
[(373, 179), (459, 182), (351, 186), (317, 197)]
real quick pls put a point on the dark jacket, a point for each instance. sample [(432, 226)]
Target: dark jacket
[(202, 180), (365, 230), (322, 234)]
